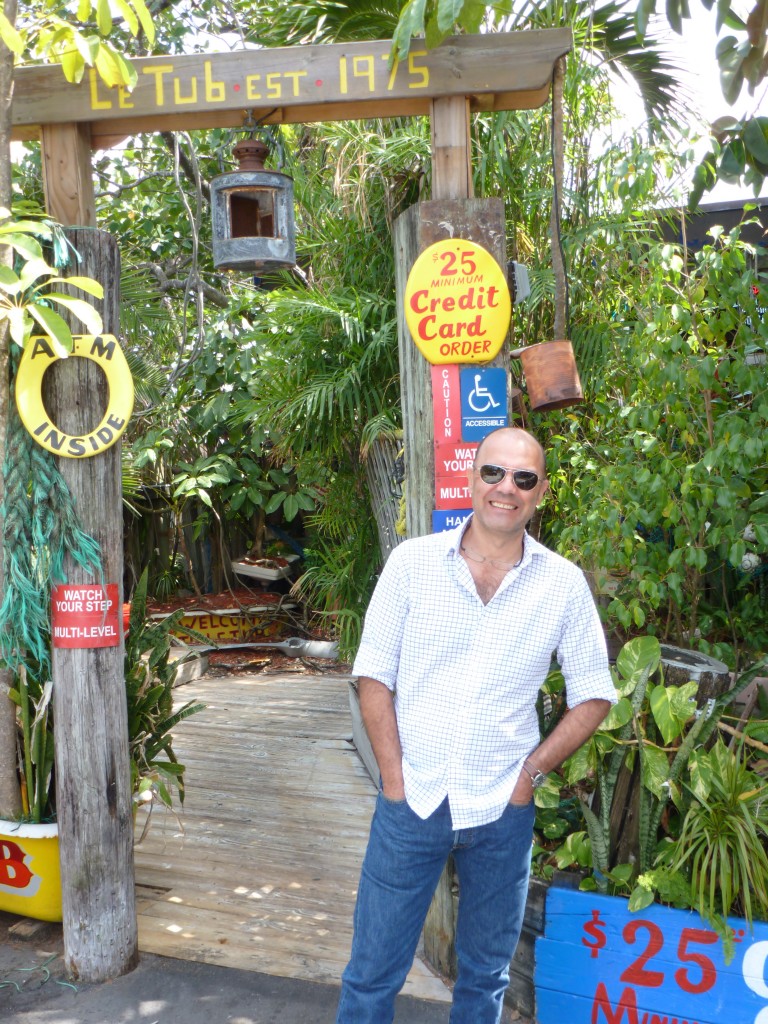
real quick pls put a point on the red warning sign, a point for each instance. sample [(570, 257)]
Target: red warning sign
[(446, 403), (85, 616)]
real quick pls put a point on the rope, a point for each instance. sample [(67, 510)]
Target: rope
[(40, 527)]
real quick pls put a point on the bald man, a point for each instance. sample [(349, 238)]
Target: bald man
[(458, 638)]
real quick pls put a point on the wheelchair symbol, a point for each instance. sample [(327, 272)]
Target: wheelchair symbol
[(480, 398)]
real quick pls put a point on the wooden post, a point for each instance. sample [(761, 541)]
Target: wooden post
[(93, 783), (451, 148), (67, 175), (477, 220)]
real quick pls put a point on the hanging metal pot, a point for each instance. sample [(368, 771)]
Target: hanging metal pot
[(551, 375)]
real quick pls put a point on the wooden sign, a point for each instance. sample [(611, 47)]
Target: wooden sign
[(597, 963), (499, 71)]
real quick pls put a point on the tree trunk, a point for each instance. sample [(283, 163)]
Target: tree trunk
[(10, 800), (91, 721)]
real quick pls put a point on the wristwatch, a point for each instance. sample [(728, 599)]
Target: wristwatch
[(538, 778)]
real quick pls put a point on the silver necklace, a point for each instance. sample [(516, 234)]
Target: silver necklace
[(495, 562)]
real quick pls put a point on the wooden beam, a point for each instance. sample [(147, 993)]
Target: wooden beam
[(326, 82), (67, 174), (451, 148)]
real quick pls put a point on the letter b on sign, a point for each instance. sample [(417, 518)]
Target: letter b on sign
[(13, 871)]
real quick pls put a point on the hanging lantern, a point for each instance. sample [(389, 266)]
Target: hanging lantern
[(253, 227)]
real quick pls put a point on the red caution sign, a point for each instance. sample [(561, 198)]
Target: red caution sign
[(85, 615)]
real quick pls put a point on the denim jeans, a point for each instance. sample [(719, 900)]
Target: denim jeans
[(401, 869)]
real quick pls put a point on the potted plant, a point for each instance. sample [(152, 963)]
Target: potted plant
[(30, 883), (657, 778)]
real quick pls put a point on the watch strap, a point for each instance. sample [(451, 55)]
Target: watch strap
[(537, 777)]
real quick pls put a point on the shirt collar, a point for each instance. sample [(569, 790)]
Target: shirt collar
[(453, 539)]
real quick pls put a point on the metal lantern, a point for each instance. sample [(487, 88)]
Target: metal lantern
[(253, 227)]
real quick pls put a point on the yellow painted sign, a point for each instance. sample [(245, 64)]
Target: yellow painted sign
[(168, 87), (457, 303), (297, 83), (105, 352)]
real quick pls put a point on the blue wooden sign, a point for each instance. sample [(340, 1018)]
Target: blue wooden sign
[(597, 963), (445, 519), (483, 402)]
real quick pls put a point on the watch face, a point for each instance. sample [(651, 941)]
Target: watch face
[(538, 780)]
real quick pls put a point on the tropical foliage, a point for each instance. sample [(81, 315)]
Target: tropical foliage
[(667, 800), (259, 399), (150, 673), (676, 514)]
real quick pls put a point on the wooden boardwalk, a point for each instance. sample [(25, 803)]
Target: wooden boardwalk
[(275, 821)]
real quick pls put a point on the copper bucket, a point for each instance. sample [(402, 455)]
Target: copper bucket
[(551, 376)]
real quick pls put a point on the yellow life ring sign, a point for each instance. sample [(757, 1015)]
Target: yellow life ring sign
[(102, 349), (457, 303)]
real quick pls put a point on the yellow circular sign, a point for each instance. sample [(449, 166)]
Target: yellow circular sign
[(457, 303), (38, 356)]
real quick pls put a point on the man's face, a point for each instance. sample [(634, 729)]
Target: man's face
[(504, 507)]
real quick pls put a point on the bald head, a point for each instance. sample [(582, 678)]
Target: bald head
[(513, 434)]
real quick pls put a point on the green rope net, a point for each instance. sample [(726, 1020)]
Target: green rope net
[(40, 527)]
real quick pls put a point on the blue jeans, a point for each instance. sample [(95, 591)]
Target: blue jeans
[(402, 866)]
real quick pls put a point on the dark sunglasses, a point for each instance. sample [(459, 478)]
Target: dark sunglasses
[(525, 479)]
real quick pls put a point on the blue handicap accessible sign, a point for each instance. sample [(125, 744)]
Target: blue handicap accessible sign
[(483, 401)]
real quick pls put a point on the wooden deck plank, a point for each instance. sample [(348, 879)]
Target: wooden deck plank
[(259, 871)]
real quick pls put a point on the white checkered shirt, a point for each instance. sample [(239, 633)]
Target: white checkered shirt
[(466, 675)]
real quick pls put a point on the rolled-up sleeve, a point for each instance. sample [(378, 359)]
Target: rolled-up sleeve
[(379, 654), (582, 653)]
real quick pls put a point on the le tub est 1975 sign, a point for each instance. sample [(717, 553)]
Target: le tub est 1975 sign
[(457, 303), (106, 353)]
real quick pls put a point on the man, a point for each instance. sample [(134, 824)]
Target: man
[(458, 639)]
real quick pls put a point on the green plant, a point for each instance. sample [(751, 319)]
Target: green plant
[(722, 842), (36, 745), (149, 678), (675, 457), (27, 297), (686, 803)]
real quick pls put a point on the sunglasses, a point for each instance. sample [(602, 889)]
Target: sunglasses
[(525, 479)]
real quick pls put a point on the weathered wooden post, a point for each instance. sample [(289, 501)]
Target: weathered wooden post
[(93, 784)]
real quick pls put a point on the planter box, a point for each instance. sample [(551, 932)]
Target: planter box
[(266, 572), (30, 879), (598, 963)]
